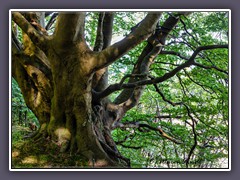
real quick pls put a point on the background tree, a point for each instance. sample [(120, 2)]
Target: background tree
[(172, 67)]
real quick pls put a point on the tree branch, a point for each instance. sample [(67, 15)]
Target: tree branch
[(69, 29), (115, 51), (168, 116), (202, 86), (174, 53), (192, 125), (144, 69), (185, 28), (126, 146), (103, 40), (141, 125), (194, 134), (119, 86), (34, 87), (130, 147), (107, 29), (16, 46), (165, 99), (51, 21), (99, 38), (210, 67), (38, 61), (126, 93), (39, 39), (210, 47), (35, 62), (146, 58)]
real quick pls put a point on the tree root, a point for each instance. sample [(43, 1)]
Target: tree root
[(115, 154)]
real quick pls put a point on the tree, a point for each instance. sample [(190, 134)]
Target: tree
[(63, 74)]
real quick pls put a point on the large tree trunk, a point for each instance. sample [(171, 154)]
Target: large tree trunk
[(61, 78), (73, 123), (70, 117)]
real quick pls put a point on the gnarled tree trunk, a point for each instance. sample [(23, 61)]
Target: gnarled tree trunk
[(62, 81)]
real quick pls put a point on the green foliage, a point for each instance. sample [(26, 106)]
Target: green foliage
[(204, 91), (21, 115), (91, 28)]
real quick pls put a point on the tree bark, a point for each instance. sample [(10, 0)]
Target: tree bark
[(72, 121)]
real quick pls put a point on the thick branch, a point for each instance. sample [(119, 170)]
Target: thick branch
[(38, 39), (39, 61), (148, 60), (144, 69), (36, 63), (35, 87), (107, 29), (115, 51), (69, 29), (104, 31), (99, 39)]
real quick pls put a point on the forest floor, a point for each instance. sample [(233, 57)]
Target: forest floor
[(27, 154)]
